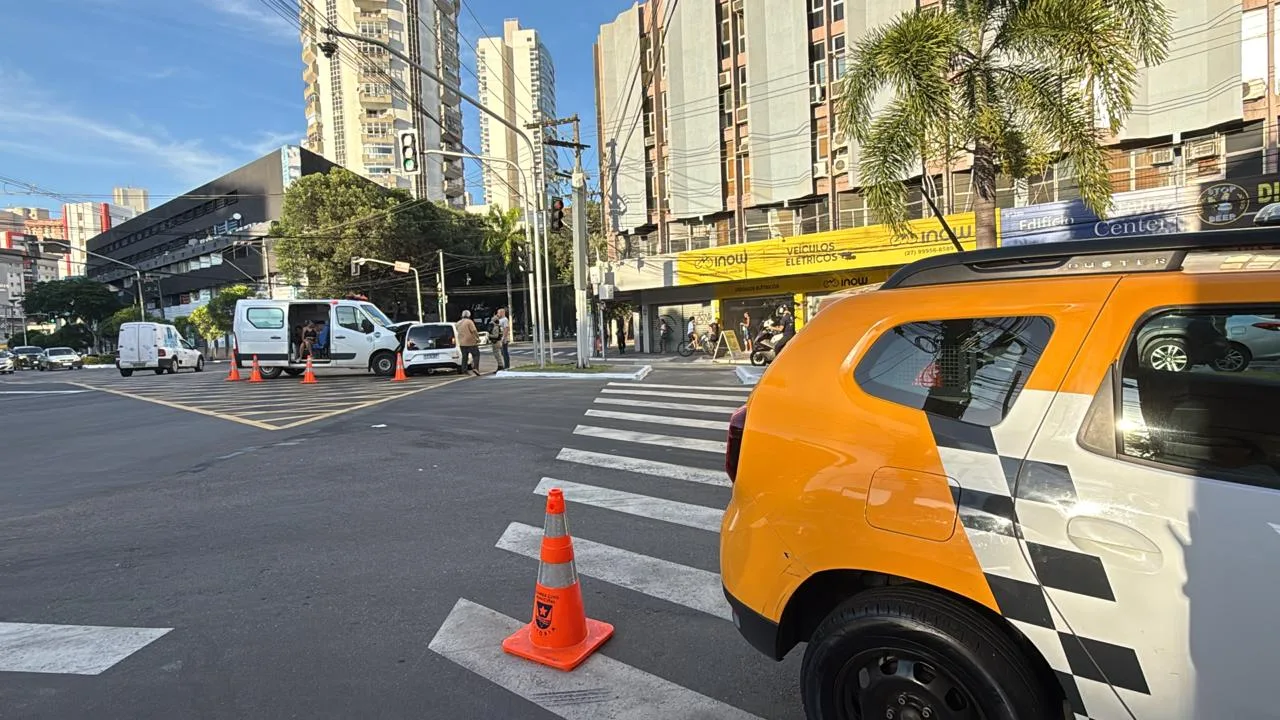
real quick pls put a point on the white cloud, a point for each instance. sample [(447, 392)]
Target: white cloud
[(34, 118), (260, 16), (266, 142)]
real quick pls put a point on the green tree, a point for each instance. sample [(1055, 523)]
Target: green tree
[(1012, 83), (329, 218), (76, 336), (504, 238), (203, 323), (71, 300), (185, 327), (222, 307)]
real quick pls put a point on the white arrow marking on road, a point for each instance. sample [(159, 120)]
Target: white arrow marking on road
[(668, 441), (69, 649), (600, 689), (678, 513), (664, 393), (662, 579), (661, 419), (644, 467), (700, 388), (628, 402), (1275, 526)]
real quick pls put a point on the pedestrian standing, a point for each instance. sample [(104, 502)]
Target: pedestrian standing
[(622, 336), (505, 323), (744, 331), (664, 336), (469, 343)]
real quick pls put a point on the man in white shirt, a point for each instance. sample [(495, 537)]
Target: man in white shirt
[(504, 322)]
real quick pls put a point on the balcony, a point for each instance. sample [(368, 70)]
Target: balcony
[(454, 188), (375, 97), (378, 160), (371, 5), (377, 136), (452, 169)]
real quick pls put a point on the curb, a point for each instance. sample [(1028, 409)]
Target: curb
[(748, 376), (639, 374)]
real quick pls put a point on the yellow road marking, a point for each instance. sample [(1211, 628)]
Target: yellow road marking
[(176, 406), (371, 403)]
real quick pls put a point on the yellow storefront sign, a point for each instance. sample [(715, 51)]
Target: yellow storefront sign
[(802, 284), (874, 246)]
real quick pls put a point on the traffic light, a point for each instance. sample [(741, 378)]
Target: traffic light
[(557, 214), (522, 265), (409, 152)]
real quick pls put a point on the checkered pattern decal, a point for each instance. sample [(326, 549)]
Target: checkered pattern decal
[(994, 490)]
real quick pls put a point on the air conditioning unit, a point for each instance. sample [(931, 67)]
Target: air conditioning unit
[(840, 165), (744, 146), (726, 78), (740, 115), (841, 138), (1163, 156), (1255, 89), (820, 169), (1201, 149)]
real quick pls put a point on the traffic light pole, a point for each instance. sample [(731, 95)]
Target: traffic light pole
[(540, 237), (581, 294)]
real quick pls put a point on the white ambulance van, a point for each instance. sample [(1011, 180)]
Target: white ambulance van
[(352, 334)]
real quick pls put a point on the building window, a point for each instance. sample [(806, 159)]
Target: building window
[(742, 85), (816, 19), (726, 35), (726, 108), (837, 10), (837, 51), (970, 370), (742, 32), (265, 318)]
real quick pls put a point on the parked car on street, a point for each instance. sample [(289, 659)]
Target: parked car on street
[(25, 356), (59, 358), (432, 346), (6, 362), (1250, 338)]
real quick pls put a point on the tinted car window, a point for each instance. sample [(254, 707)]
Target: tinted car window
[(265, 318), (60, 351), (349, 318), (970, 370), (429, 337), (1198, 391)]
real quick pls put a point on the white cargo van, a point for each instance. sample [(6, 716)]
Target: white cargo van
[(350, 334), (157, 347)]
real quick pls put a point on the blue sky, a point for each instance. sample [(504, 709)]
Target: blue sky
[(168, 94)]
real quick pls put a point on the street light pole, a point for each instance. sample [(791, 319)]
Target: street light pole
[(400, 267), (142, 312), (540, 235)]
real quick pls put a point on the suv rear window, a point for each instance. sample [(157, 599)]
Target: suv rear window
[(429, 337), (968, 369)]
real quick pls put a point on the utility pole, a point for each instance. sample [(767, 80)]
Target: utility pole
[(442, 298), (578, 181)]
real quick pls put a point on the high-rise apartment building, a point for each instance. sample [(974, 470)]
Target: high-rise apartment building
[(82, 221), (136, 199), (517, 79), (723, 132), (359, 98)]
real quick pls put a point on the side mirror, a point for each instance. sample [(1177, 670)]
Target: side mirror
[(366, 327)]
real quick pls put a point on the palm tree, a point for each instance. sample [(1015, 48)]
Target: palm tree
[(1014, 84), (503, 237)]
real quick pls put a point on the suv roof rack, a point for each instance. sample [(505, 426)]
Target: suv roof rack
[(1143, 253)]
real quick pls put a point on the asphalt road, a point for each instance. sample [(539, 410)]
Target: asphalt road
[(367, 564)]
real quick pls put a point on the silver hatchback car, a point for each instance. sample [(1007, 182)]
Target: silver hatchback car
[(1252, 338)]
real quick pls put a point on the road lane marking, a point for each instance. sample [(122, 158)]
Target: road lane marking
[(668, 441), (654, 508), (371, 403), (644, 467), (599, 689), (42, 392), (176, 406), (680, 584), (661, 419), (628, 402), (669, 394), (700, 388), (69, 649)]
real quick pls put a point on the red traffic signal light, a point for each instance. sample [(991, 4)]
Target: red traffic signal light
[(557, 214)]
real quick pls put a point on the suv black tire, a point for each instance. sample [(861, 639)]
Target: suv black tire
[(1167, 354), (923, 646)]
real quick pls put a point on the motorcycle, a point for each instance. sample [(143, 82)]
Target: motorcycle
[(763, 346)]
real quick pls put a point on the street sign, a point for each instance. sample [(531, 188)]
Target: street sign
[(401, 266)]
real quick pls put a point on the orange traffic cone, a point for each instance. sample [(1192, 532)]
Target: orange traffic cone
[(256, 375), (561, 635), (234, 376), (399, 376), (308, 377)]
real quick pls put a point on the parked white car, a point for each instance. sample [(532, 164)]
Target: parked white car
[(432, 346), (158, 347)]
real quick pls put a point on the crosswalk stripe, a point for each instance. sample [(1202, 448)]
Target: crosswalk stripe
[(670, 394), (660, 419), (69, 649), (683, 585), (702, 388), (471, 637), (655, 508), (656, 405), (667, 441), (654, 468)]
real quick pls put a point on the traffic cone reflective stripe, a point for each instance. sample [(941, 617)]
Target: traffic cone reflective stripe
[(561, 635), (399, 376), (234, 376), (256, 375), (309, 377)]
